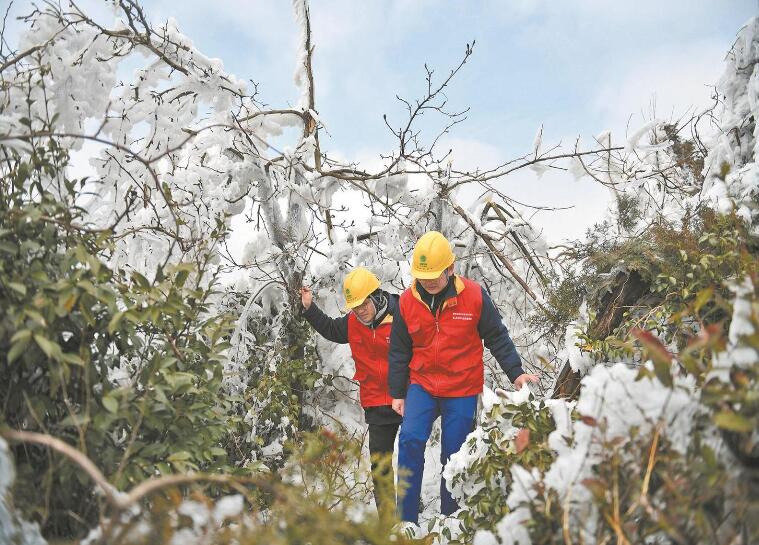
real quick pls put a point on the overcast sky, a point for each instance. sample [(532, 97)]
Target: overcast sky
[(578, 67)]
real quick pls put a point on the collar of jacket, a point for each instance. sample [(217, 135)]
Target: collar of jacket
[(458, 283), (387, 317)]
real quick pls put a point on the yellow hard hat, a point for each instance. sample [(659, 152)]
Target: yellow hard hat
[(432, 255), (358, 285)]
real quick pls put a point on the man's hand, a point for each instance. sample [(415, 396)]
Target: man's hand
[(306, 297), (398, 405), (524, 378)]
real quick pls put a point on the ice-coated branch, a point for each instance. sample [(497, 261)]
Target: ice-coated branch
[(487, 239), (305, 78), (501, 213)]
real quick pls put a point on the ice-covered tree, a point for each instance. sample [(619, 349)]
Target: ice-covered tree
[(132, 321)]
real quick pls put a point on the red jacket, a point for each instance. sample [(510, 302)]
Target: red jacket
[(369, 348), (447, 349)]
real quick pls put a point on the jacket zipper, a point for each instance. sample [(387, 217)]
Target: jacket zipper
[(374, 351), (437, 336), (437, 343)]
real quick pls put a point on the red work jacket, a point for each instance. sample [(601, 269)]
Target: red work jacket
[(369, 348), (446, 349)]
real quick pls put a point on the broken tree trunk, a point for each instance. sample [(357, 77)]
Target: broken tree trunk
[(626, 289)]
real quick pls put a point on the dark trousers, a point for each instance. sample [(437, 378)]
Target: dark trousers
[(381, 443)]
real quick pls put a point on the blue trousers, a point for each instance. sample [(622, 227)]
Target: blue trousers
[(420, 411)]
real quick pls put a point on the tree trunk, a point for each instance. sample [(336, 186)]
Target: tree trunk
[(626, 290)]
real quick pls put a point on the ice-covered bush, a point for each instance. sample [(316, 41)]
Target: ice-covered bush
[(636, 459), (513, 431)]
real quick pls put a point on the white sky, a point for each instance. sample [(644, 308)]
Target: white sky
[(578, 67)]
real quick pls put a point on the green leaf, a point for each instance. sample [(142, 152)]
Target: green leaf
[(8, 247), (257, 467), (67, 302), (17, 287), (87, 286), (180, 456), (113, 325), (181, 278), (703, 297), (75, 420), (161, 397), (21, 335), (16, 350), (36, 316), (72, 358), (663, 372), (94, 264), (167, 361), (86, 312), (178, 380), (140, 280), (709, 457), (111, 404), (50, 348), (153, 450), (728, 420)]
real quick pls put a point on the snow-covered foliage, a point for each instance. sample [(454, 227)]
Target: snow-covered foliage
[(731, 171), (667, 177), (606, 464), (185, 168), (742, 324)]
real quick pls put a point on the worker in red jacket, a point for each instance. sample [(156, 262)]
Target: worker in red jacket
[(435, 360), (366, 329)]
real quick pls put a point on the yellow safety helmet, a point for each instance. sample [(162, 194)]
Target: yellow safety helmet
[(358, 285), (432, 255)]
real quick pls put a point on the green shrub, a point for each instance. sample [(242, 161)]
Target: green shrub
[(126, 368)]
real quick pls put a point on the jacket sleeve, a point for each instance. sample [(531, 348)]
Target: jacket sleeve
[(399, 357), (496, 337), (332, 329)]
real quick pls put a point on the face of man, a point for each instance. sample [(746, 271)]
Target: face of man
[(436, 285), (365, 311)]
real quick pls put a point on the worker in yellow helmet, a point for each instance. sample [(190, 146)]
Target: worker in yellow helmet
[(366, 329), (436, 362)]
